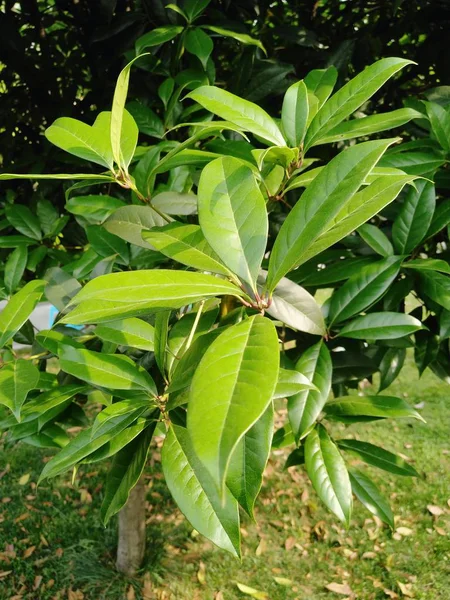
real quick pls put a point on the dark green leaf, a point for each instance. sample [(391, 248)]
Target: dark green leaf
[(378, 457), (385, 407), (369, 495)]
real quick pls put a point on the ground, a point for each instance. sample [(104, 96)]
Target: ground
[(53, 545)]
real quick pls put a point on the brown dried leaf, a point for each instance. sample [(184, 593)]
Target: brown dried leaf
[(339, 588), (436, 511), (131, 594), (29, 551), (37, 582)]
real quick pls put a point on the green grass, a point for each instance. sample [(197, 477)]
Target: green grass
[(73, 552)]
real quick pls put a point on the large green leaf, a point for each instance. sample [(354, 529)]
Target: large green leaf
[(195, 492), (187, 245), (305, 407), (376, 239), (436, 286), (118, 409), (125, 472), (351, 96), (15, 267), (128, 223), (125, 294), (16, 380), (416, 163), (19, 308), (249, 460), (363, 289), (22, 219), (428, 264), (132, 332), (293, 305), (382, 407), (233, 216), (112, 371), (294, 113), (381, 326), (231, 389), (50, 403), (328, 473), (322, 201), (93, 208), (241, 112), (378, 457), (321, 82), (369, 495), (174, 203), (414, 219)]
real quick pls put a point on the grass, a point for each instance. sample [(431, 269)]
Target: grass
[(52, 543)]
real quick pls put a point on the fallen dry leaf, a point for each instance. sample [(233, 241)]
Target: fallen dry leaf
[(218, 596), (37, 582), (436, 511), (339, 588), (29, 551), (24, 479), (201, 573), (262, 547), (405, 589), (245, 589), (131, 594), (289, 543), (405, 531), (4, 574), (390, 593)]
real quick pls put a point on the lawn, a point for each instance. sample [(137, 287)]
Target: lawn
[(53, 545)]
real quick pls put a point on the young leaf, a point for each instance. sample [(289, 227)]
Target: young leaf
[(19, 308), (231, 389), (132, 332), (369, 495), (321, 82), (382, 407), (196, 493), (376, 239), (15, 267), (322, 201), (249, 460), (363, 289), (233, 216), (305, 406), (381, 326), (351, 96), (22, 219), (414, 219), (111, 371), (241, 112), (294, 113), (16, 380), (328, 473), (378, 457)]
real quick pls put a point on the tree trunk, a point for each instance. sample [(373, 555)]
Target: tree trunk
[(131, 543)]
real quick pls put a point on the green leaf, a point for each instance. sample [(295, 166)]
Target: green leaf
[(382, 407), (436, 286), (425, 350), (293, 305), (321, 82), (231, 389), (428, 264), (322, 201), (440, 123), (173, 203), (135, 293), (119, 441), (196, 493), (12, 241), (18, 309), (241, 112), (157, 36), (111, 412), (351, 96), (16, 380), (61, 287), (370, 496), (128, 223), (295, 458), (328, 473), (94, 208), (22, 219), (194, 8), (243, 38), (378, 457), (198, 43), (111, 371), (82, 140), (381, 326), (247, 464), (47, 215), (132, 332), (161, 334), (48, 405), (146, 119), (291, 382), (415, 163), (107, 244), (390, 366), (15, 267), (414, 219), (187, 245), (294, 113), (51, 340), (38, 176), (124, 473), (376, 239), (305, 407), (233, 216), (368, 125), (363, 289)]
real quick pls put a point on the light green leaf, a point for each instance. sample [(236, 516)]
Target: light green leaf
[(111, 371), (416, 163), (19, 308), (37, 176), (173, 203), (51, 340), (376, 239), (16, 380), (351, 96), (291, 382), (328, 473), (243, 38), (381, 326), (305, 406), (322, 201), (369, 495), (233, 216), (198, 43), (157, 36), (132, 332), (321, 82), (51, 403), (15, 267), (61, 287), (94, 208), (294, 113), (119, 441), (241, 112), (378, 457), (196, 493), (383, 407), (22, 219), (231, 389), (414, 219), (428, 264), (128, 223), (123, 407)]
